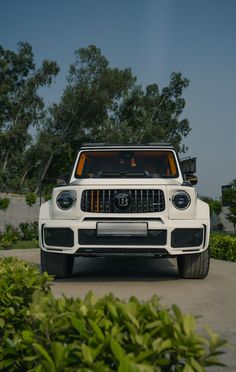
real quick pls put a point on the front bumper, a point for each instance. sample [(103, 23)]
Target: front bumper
[(164, 237)]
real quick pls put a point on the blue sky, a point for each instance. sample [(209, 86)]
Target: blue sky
[(154, 38)]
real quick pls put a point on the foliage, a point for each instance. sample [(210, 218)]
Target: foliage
[(47, 192), (4, 204), (29, 231), (20, 107), (230, 197), (26, 244), (30, 198), (214, 205), (18, 281), (99, 104), (42, 333), (220, 227), (223, 247), (9, 238), (102, 104)]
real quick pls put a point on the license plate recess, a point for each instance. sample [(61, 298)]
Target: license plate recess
[(122, 228)]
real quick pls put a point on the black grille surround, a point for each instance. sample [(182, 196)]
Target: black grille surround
[(58, 237), (183, 238), (124, 250), (142, 200), (90, 237)]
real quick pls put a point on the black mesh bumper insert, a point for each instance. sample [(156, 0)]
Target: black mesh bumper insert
[(181, 238), (154, 237), (58, 237)]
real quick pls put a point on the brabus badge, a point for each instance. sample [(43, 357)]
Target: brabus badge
[(122, 201)]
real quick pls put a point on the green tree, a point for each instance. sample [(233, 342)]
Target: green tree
[(20, 107), (215, 206), (105, 104), (230, 197)]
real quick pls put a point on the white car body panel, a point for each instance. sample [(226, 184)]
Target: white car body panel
[(196, 216)]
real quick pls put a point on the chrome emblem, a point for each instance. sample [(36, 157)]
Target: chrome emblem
[(122, 201)]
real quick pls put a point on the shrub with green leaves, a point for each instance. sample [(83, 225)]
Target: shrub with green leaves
[(30, 199), (4, 203), (29, 231), (223, 247), (45, 334), (9, 238), (18, 281)]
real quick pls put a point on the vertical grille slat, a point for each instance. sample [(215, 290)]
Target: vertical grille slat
[(103, 201), (109, 201), (135, 202), (143, 201)]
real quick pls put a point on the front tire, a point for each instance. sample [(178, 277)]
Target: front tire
[(58, 264), (194, 266)]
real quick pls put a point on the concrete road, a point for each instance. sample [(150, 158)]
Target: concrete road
[(214, 298)]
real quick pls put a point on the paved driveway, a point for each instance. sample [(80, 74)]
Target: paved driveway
[(214, 298)]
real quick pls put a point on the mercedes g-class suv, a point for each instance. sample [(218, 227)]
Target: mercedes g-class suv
[(126, 200)]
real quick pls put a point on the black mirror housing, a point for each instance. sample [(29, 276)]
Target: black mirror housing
[(63, 179), (191, 178)]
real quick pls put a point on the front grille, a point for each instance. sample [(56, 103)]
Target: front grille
[(181, 238), (140, 201), (58, 237), (154, 237)]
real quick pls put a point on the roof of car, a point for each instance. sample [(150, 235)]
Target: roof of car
[(123, 146)]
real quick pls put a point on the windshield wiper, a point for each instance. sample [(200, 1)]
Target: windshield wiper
[(137, 174), (109, 174), (124, 174)]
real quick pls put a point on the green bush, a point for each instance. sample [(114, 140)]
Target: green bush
[(30, 199), (9, 238), (4, 203), (18, 281), (41, 333), (29, 231), (223, 247)]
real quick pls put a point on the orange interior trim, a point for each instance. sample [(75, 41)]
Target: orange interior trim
[(80, 165), (172, 164)]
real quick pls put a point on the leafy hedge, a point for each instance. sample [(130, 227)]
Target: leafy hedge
[(223, 247), (40, 333), (12, 235), (18, 281)]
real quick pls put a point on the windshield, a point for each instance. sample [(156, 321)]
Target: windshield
[(126, 164)]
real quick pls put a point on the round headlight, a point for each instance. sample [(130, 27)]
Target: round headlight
[(65, 200), (181, 200)]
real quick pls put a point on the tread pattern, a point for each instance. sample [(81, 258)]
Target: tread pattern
[(58, 264), (194, 266)]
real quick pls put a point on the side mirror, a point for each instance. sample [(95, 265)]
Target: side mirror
[(191, 178), (188, 165), (63, 180)]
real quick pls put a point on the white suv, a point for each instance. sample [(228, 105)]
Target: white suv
[(126, 200)]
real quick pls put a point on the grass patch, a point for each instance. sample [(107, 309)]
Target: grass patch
[(26, 244)]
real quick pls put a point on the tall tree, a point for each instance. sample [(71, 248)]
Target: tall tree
[(20, 107), (230, 199), (105, 104)]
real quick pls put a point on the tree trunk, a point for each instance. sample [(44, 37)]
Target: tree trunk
[(24, 176), (42, 175), (5, 162)]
